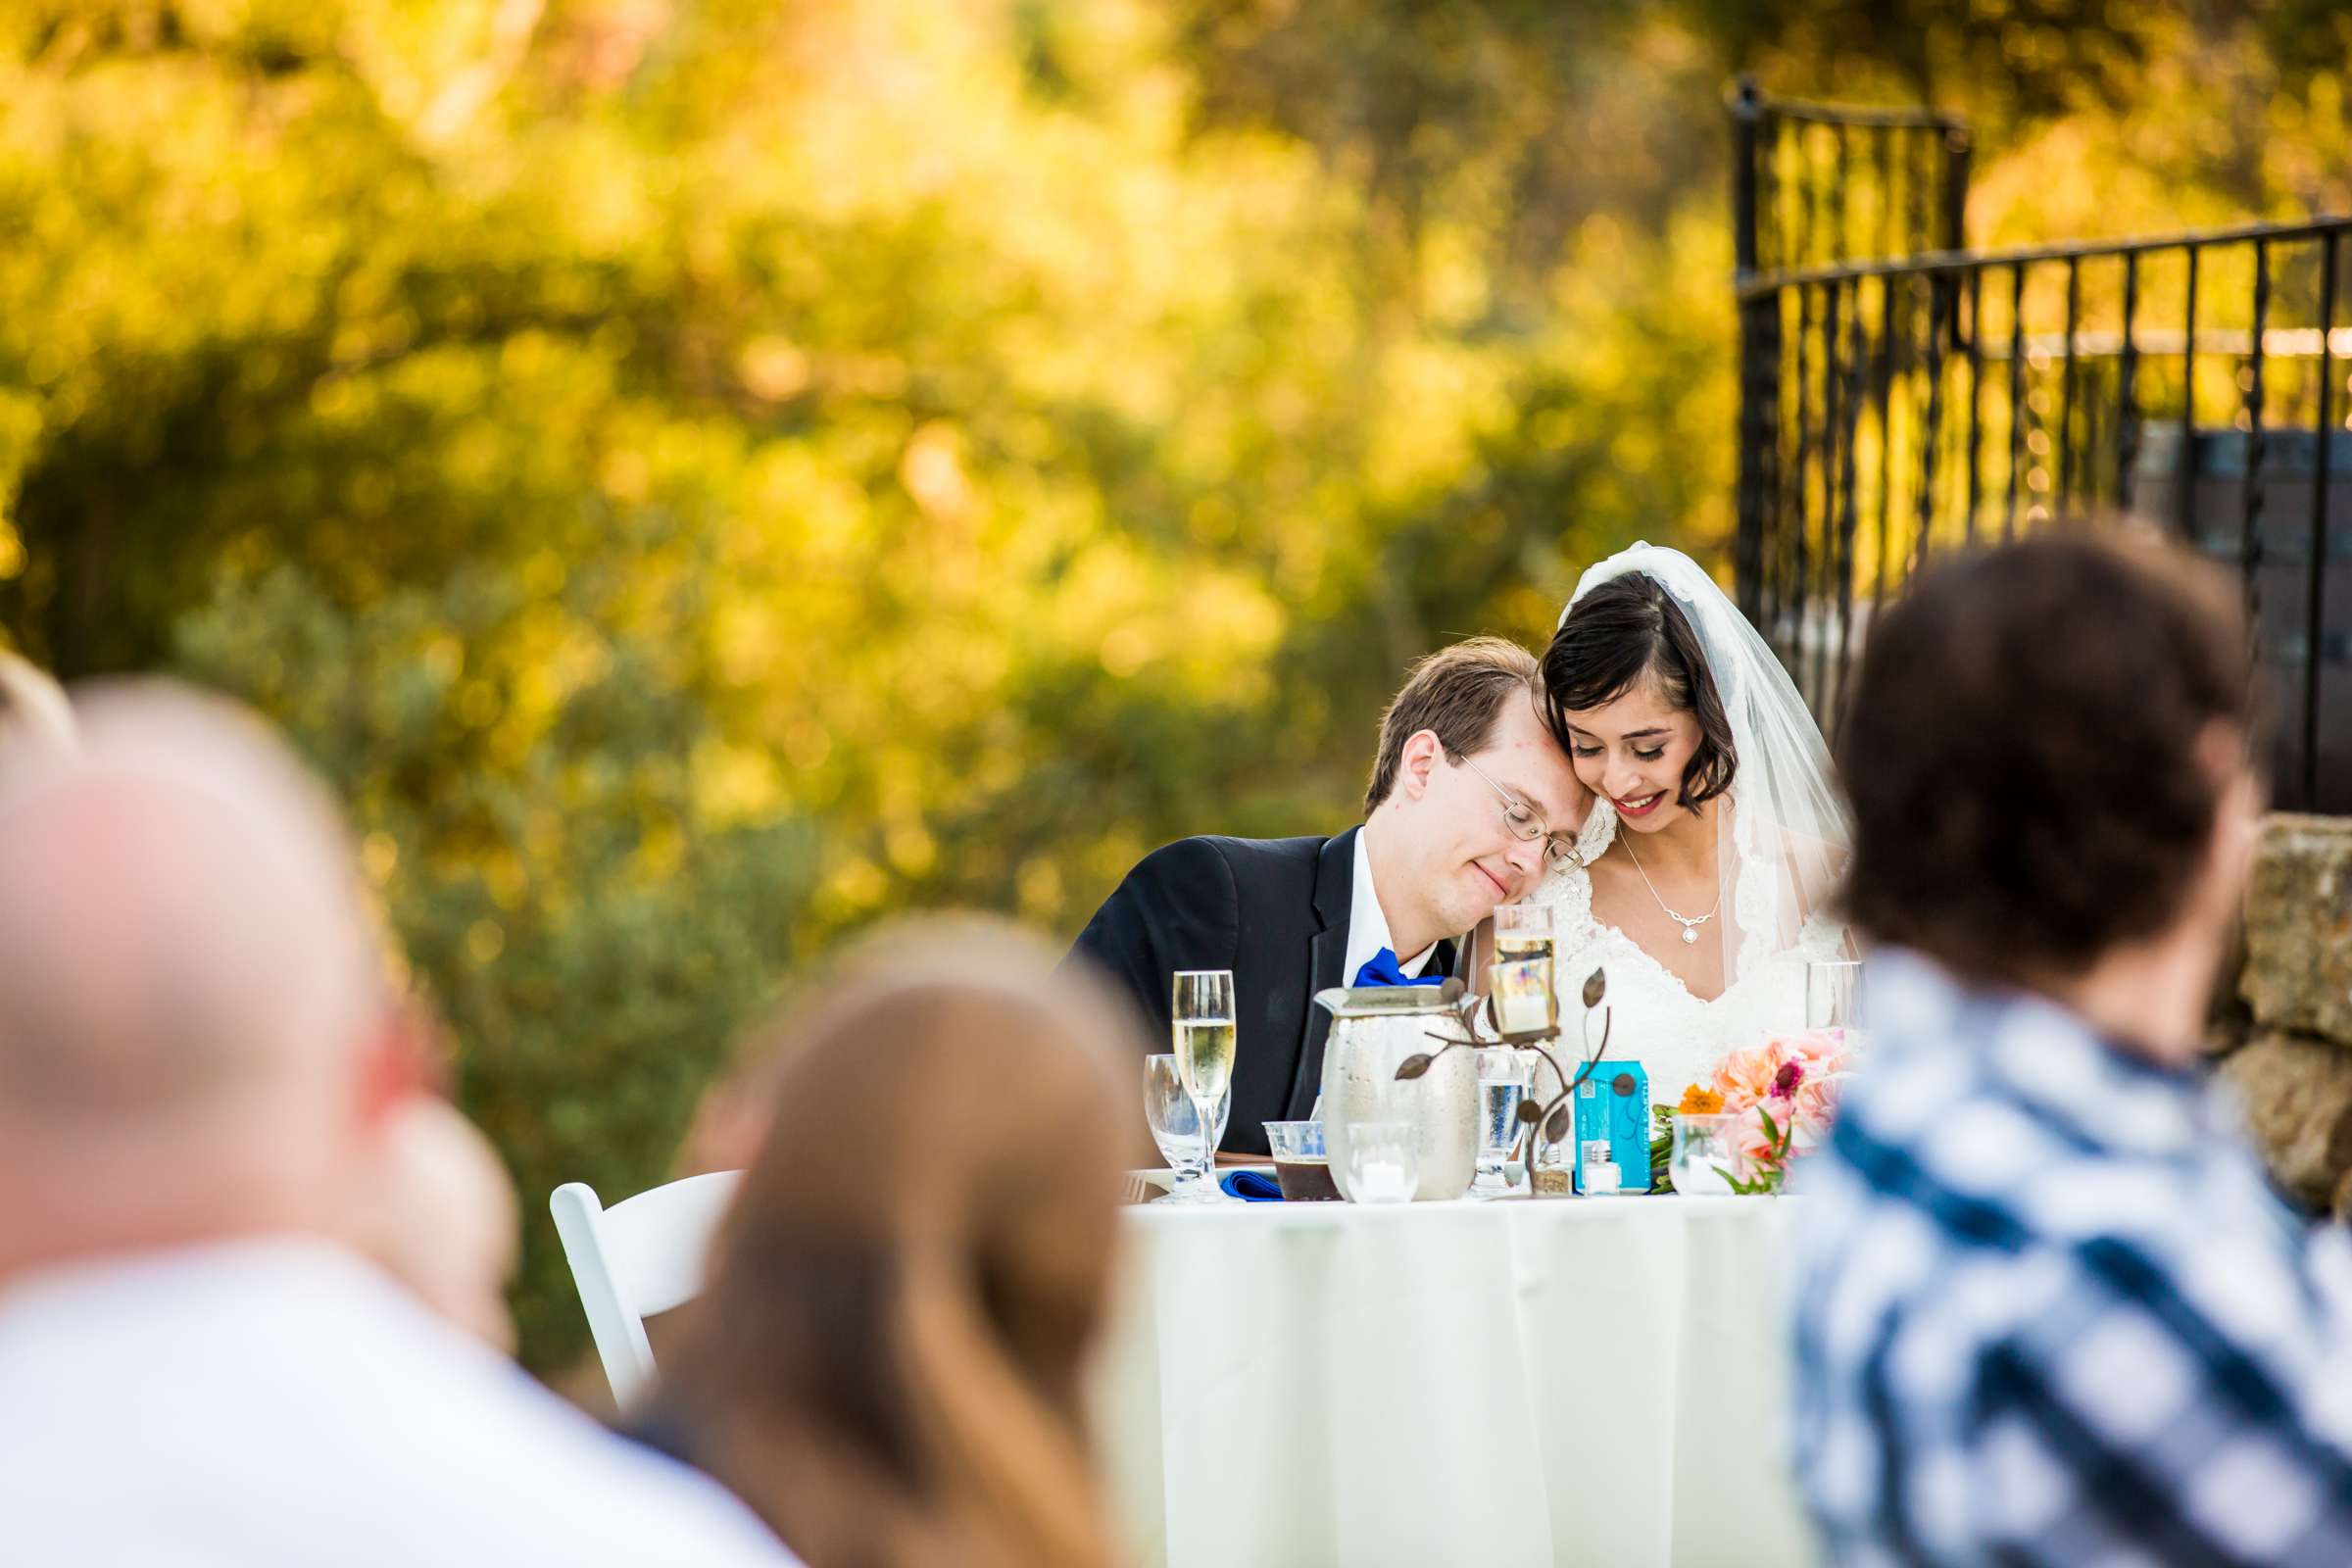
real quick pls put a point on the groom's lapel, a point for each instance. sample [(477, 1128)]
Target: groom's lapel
[(1326, 952)]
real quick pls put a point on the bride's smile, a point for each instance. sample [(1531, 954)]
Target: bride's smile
[(1633, 750)]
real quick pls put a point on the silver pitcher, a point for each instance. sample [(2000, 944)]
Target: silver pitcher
[(1373, 1030)]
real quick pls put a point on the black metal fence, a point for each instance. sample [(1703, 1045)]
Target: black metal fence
[(1901, 394)]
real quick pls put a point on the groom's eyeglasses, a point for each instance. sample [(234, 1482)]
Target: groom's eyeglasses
[(1527, 825)]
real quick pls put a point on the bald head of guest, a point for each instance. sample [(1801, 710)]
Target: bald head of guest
[(195, 1025)]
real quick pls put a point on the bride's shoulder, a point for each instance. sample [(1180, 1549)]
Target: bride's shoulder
[(1804, 850), (1569, 891), (1794, 852), (1811, 866)]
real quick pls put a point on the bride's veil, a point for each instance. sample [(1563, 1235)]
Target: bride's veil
[(1784, 836)]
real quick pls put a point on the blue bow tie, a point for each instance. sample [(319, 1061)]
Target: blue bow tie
[(1381, 969)]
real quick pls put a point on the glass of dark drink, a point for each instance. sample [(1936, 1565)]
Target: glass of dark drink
[(1300, 1165)]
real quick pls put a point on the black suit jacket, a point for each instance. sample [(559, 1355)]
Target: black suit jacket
[(1272, 910)]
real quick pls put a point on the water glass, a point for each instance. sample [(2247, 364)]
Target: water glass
[(1833, 999), (1503, 1080), (1702, 1155), (1384, 1165), (1176, 1127)]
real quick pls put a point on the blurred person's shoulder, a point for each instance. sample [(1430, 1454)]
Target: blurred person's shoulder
[(284, 1401), (1943, 1147), (2004, 1126)]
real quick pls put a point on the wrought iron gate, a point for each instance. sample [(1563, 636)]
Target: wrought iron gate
[(1901, 394)]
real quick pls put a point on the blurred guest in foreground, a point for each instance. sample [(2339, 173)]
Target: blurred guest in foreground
[(888, 1364), (2049, 1309), (437, 1211), (197, 1055), (32, 707)]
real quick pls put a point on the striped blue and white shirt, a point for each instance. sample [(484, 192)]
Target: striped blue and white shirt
[(2050, 1310)]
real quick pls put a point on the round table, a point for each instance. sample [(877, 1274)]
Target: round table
[(1592, 1380)]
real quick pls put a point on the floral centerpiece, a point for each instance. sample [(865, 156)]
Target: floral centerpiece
[(1771, 1103)]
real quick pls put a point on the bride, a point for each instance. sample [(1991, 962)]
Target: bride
[(1704, 872)]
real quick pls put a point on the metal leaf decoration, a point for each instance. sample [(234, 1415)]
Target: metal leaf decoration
[(1596, 987), (1413, 1066), (1556, 1129), (1529, 1111)]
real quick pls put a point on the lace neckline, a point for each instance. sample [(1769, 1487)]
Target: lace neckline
[(1578, 926), (1600, 931)]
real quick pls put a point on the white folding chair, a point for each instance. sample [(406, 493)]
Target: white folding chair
[(643, 1255)]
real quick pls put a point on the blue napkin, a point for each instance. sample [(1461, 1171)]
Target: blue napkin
[(1251, 1187), (1381, 969)]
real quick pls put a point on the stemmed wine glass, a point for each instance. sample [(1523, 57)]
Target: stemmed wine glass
[(1176, 1127), (1201, 1016)]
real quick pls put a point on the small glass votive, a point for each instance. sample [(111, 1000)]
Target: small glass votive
[(1302, 1165), (1701, 1161), (1384, 1165)]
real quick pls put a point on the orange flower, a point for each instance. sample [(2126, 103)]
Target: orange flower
[(1699, 1101)]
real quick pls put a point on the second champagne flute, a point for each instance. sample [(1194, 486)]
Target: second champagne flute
[(1201, 1016), (1523, 1002)]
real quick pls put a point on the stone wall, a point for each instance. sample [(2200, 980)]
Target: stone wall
[(2282, 1025)]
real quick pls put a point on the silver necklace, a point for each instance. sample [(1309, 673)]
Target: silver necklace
[(1689, 922)]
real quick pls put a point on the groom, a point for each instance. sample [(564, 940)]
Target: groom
[(1469, 797)]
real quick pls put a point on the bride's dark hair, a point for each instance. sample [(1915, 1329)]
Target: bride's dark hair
[(1624, 629)]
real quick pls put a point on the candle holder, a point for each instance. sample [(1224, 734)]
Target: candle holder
[(1549, 1124)]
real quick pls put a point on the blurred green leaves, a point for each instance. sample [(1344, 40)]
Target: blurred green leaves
[(699, 477)]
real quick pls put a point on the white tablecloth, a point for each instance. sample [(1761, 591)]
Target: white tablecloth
[(1595, 1381)]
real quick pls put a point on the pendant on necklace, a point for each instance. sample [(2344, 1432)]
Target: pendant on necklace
[(1690, 935)]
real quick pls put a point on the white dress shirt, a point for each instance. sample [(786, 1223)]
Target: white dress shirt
[(277, 1401), (1368, 928)]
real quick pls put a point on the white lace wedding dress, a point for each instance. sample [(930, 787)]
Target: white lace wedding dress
[(1654, 1019)]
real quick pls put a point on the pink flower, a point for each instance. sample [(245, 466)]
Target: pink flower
[(1744, 1077), (1791, 1078), (1784, 1082), (1749, 1147), (1822, 1048)]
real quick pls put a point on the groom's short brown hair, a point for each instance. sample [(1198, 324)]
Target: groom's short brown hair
[(1458, 692), (2026, 752)]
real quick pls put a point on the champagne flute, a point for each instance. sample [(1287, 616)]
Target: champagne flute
[(1522, 931), (1202, 1017), (1522, 1000)]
